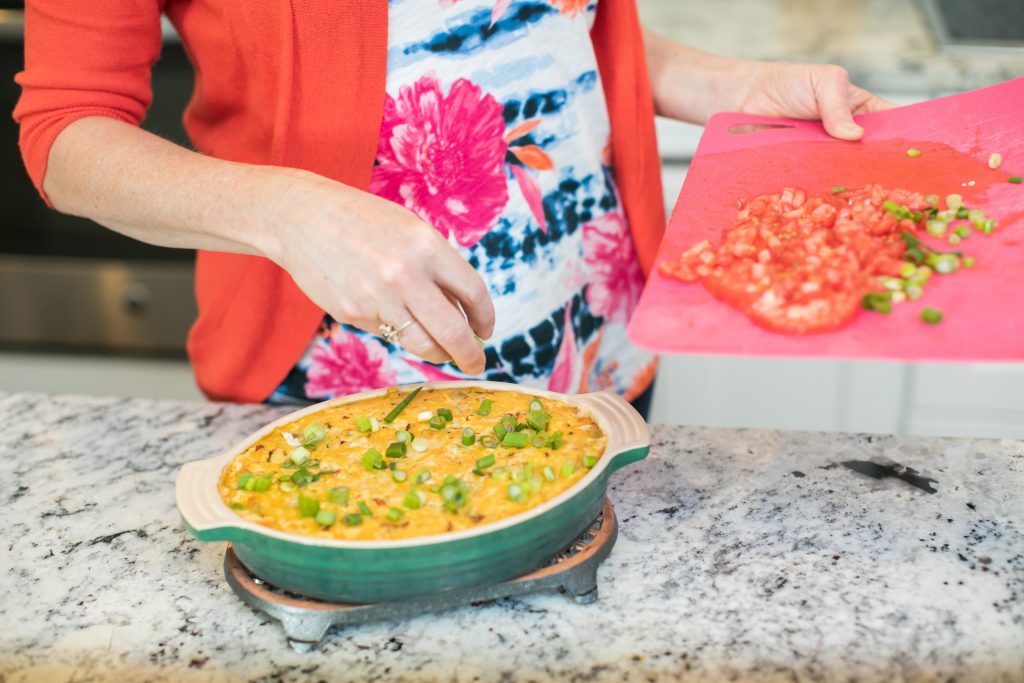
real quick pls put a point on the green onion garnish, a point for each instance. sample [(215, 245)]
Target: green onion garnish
[(308, 506), (338, 495), (968, 262), (286, 485), (313, 435), (1016, 179), (538, 420), (301, 477), (438, 422), (485, 407), (932, 200), (403, 436), (932, 316), (372, 460), (500, 431), (451, 479), (954, 201), (488, 441), (446, 413), (536, 405), (962, 232), (326, 517), (364, 508), (499, 474), (397, 410), (548, 473), (363, 424), (880, 302), (962, 212), (412, 499), (263, 483), (508, 422), (353, 519), (515, 493), (244, 479), (987, 226), (420, 445), (399, 476), (514, 440), (237, 506), (555, 441), (394, 514), (395, 450), (589, 461), (485, 462), (913, 152), (468, 436), (567, 469), (837, 189), (936, 228), (299, 456), (533, 484), (539, 441), (422, 476), (944, 264)]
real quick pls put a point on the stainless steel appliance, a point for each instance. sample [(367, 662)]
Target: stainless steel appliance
[(67, 283)]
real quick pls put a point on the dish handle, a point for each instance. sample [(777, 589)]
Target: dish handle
[(201, 507), (629, 439)]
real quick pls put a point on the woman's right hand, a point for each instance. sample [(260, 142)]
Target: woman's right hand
[(366, 261)]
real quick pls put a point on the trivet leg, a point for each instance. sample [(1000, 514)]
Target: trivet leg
[(582, 585), (305, 632)]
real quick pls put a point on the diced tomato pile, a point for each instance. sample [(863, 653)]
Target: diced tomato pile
[(799, 265)]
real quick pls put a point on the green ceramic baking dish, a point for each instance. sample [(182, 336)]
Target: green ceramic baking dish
[(376, 571)]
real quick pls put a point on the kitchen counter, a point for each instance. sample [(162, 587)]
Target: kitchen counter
[(742, 555)]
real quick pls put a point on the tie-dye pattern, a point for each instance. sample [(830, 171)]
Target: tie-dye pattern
[(495, 131)]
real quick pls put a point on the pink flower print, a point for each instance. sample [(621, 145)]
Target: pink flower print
[(615, 276), (569, 8), (561, 375), (346, 365), (443, 157)]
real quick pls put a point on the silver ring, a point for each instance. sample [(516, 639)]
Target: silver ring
[(390, 334)]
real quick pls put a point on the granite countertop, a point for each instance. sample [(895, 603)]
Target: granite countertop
[(886, 45), (742, 555)]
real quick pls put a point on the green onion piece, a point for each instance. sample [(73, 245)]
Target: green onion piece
[(932, 199), (446, 413), (589, 461), (485, 462), (244, 479), (313, 435), (488, 441), (913, 290), (397, 410), (299, 456), (237, 506), (399, 476), (515, 493), (913, 152), (915, 255), (932, 316), (352, 519), (987, 226), (555, 441), (451, 492), (962, 212), (909, 239), (962, 232), (468, 436), (519, 476), (500, 431), (548, 473), (308, 506), (412, 499), (538, 420), (899, 212), (250, 485), (485, 407), (514, 440), (372, 460), (263, 483), (880, 302), (567, 469), (451, 479), (420, 445), (403, 436), (533, 484), (338, 495), (508, 422), (1015, 179), (944, 264), (967, 262), (995, 160), (536, 405), (954, 240), (837, 189), (438, 422), (301, 477), (395, 450), (364, 425), (907, 270), (424, 416), (936, 228), (422, 476), (326, 517), (394, 514), (286, 485), (539, 441), (364, 508), (500, 474), (954, 201)]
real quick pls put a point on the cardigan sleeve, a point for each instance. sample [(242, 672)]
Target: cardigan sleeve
[(83, 58)]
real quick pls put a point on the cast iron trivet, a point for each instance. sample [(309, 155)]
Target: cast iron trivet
[(306, 620)]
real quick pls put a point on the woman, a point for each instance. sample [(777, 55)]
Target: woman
[(379, 184)]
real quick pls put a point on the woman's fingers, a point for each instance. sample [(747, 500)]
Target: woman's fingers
[(461, 280), (864, 102), (448, 327), (831, 87)]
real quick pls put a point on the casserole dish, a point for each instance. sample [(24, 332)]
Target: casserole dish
[(387, 570)]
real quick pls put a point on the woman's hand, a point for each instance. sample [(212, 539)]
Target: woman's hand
[(691, 85), (367, 261)]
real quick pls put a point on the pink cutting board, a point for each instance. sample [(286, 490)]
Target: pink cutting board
[(983, 306)]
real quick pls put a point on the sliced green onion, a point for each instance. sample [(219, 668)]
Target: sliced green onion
[(954, 201), (301, 477), (313, 435), (913, 152), (995, 160), (485, 462), (555, 441), (237, 506), (412, 499), (515, 493), (437, 422), (424, 416), (394, 514), (548, 473), (399, 476), (953, 240), (519, 476), (499, 474), (967, 262), (932, 316), (308, 506), (468, 436), (962, 212), (837, 189), (932, 200), (363, 424), (263, 483), (533, 484), (397, 410), (898, 212), (451, 479), (374, 425), (514, 440), (326, 517), (353, 519), (403, 436), (395, 450), (589, 461), (500, 431), (299, 456), (536, 405), (913, 290), (944, 264), (485, 407), (538, 420), (420, 445), (422, 476), (508, 422), (244, 479), (1015, 179), (987, 226), (372, 460), (962, 232), (539, 441), (936, 228), (338, 495), (446, 413), (880, 302), (907, 270), (488, 441), (567, 469), (364, 508), (286, 485)]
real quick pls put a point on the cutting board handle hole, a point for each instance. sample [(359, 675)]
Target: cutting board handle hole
[(748, 128)]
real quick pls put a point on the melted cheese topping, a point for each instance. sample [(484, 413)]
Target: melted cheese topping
[(338, 462)]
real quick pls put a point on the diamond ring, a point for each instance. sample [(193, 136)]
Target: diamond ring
[(390, 334)]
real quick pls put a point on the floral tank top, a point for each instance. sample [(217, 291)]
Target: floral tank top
[(508, 93)]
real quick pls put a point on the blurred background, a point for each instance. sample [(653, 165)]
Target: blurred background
[(84, 310)]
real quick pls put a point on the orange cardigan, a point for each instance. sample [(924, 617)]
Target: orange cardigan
[(298, 84)]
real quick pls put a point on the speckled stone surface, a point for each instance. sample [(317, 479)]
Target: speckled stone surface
[(886, 45), (742, 555)]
